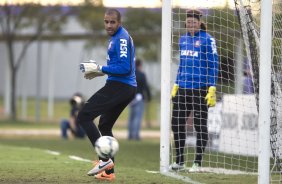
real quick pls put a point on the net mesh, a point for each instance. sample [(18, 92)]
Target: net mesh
[(232, 146), (276, 93)]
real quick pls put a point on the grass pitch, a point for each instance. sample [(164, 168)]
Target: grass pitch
[(31, 161), (41, 159), (47, 160)]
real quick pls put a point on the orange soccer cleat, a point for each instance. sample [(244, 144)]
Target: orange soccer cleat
[(100, 166), (104, 176)]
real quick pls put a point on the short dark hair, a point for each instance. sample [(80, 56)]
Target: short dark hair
[(194, 13), (114, 11)]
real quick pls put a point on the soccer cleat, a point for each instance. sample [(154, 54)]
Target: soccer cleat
[(195, 168), (176, 167), (100, 166), (104, 176)]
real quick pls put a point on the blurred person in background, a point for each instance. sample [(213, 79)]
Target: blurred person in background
[(118, 91), (248, 84), (248, 87), (76, 103), (194, 89), (137, 105)]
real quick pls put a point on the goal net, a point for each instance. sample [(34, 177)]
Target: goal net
[(230, 146)]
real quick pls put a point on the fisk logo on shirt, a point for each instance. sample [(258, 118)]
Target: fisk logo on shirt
[(123, 48), (189, 53)]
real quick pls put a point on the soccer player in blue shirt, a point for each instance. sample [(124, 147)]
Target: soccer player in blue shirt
[(194, 88), (119, 90)]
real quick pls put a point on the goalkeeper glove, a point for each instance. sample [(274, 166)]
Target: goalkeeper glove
[(174, 90), (211, 96), (90, 67)]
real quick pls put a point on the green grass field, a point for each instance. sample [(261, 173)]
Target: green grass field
[(28, 161)]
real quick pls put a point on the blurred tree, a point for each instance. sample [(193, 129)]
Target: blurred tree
[(91, 17), (15, 19), (145, 26)]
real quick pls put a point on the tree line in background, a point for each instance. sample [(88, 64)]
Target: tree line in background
[(47, 23)]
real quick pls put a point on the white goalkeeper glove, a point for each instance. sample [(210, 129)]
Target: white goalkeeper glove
[(91, 69)]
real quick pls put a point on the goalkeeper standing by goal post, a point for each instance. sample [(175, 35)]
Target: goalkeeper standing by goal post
[(119, 90), (195, 88)]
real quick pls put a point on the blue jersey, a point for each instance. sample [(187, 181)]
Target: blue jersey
[(198, 67), (121, 58)]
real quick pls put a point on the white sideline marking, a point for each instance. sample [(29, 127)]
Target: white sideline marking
[(153, 172), (70, 156), (225, 171), (79, 158), (179, 177), (53, 152)]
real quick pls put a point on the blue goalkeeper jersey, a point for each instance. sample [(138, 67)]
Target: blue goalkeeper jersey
[(198, 67), (121, 58)]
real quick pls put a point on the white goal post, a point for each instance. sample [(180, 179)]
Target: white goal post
[(165, 87), (264, 92), (244, 128)]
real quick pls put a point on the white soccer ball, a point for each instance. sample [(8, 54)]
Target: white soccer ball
[(106, 146)]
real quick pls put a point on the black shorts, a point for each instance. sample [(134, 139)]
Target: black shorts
[(108, 102)]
